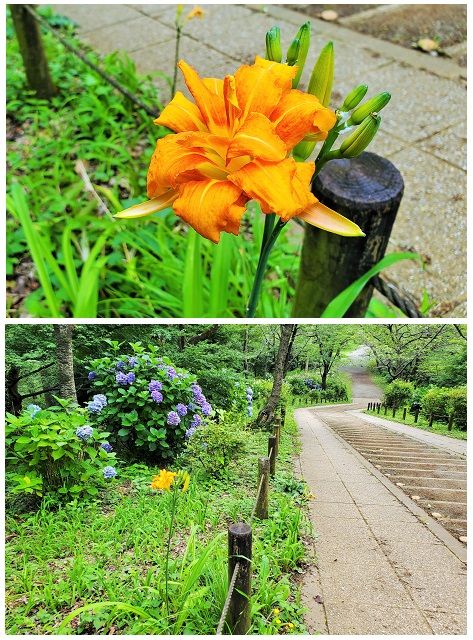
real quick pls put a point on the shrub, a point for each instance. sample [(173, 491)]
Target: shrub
[(151, 407), (398, 393), (442, 401), (457, 403), (224, 388), (55, 450), (214, 446)]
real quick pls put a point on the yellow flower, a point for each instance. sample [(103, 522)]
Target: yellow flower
[(184, 479), (164, 480), (232, 145), (196, 12), (290, 625), (278, 621), (276, 612)]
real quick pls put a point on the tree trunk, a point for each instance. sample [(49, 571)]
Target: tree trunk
[(324, 377), (65, 362), (266, 415), (12, 395)]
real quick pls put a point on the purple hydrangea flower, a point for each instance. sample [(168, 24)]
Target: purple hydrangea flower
[(206, 408), (249, 391), (132, 361), (157, 396), (94, 407), (181, 409), (121, 378), (33, 409), (250, 410), (249, 398), (196, 389), (172, 375), (200, 398), (99, 398), (130, 377), (109, 472), (91, 375), (173, 418), (155, 385), (196, 420), (106, 446), (120, 365), (84, 433), (190, 432)]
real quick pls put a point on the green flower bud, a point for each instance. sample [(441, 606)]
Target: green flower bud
[(359, 139), (302, 150), (273, 45), (373, 105), (321, 80), (303, 43), (354, 98)]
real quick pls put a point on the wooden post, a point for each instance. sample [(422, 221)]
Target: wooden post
[(378, 407), (431, 420), (31, 48), (385, 409), (450, 421), (404, 413), (369, 406), (394, 412), (416, 415), (367, 190), (261, 511), (239, 550), (283, 416), (272, 454), (277, 433)]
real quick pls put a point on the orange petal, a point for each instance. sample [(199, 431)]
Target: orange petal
[(298, 114), (211, 106), (282, 187), (210, 207), (256, 138), (181, 115), (324, 218), (260, 86), (208, 142), (149, 207), (172, 163), (215, 85)]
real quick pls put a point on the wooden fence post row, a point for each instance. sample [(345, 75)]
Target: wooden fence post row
[(239, 551), (272, 455), (262, 498)]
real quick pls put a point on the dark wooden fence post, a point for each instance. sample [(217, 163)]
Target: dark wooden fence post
[(450, 421), (394, 412), (431, 420), (379, 407), (277, 433), (239, 550), (367, 190), (283, 416), (404, 413), (385, 409), (31, 48), (416, 415), (272, 454), (261, 511)]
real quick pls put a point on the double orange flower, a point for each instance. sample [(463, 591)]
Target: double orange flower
[(232, 145)]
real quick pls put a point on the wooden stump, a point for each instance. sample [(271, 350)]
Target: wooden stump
[(367, 190)]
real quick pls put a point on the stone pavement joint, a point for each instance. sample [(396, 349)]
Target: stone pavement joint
[(380, 570)]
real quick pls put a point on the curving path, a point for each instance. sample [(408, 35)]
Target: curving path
[(383, 564)]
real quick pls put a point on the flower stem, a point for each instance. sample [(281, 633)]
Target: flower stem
[(176, 59), (270, 236), (168, 549)]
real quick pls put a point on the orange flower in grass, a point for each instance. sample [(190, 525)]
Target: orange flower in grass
[(232, 145)]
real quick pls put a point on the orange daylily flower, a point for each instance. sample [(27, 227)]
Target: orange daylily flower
[(233, 145)]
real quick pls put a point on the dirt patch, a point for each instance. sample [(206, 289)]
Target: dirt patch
[(343, 10)]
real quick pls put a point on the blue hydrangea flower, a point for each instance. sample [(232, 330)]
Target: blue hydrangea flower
[(91, 375), (100, 398), (121, 378), (33, 409), (196, 420), (84, 433), (190, 432), (120, 365), (173, 419), (157, 396), (155, 385), (196, 389), (181, 409), (130, 377), (94, 407), (249, 391), (250, 410), (171, 373), (191, 406), (206, 408), (200, 398), (248, 397), (109, 472), (132, 361), (106, 446)]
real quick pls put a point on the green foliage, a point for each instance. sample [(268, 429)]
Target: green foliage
[(442, 401), (398, 393), (140, 424), (457, 404), (45, 455), (215, 445), (309, 386)]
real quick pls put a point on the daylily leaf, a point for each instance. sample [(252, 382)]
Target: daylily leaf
[(341, 303)]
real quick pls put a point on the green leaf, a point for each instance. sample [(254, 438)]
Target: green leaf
[(341, 303), (124, 432)]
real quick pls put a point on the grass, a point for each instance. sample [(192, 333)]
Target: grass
[(112, 551), (423, 423), (67, 255)]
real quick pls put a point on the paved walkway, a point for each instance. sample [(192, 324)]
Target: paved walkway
[(435, 439), (380, 570), (423, 130)]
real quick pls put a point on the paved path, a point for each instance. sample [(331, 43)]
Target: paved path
[(423, 130), (380, 570)]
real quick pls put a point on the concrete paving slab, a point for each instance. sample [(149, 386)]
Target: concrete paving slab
[(90, 17), (363, 619), (130, 35), (447, 623), (400, 531), (448, 145), (394, 513)]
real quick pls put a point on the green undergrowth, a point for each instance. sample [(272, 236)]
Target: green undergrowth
[(67, 255), (111, 550), (422, 423)]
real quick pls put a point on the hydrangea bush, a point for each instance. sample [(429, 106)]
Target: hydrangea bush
[(148, 405), (56, 450)]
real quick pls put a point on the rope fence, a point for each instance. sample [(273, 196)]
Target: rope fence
[(226, 606)]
